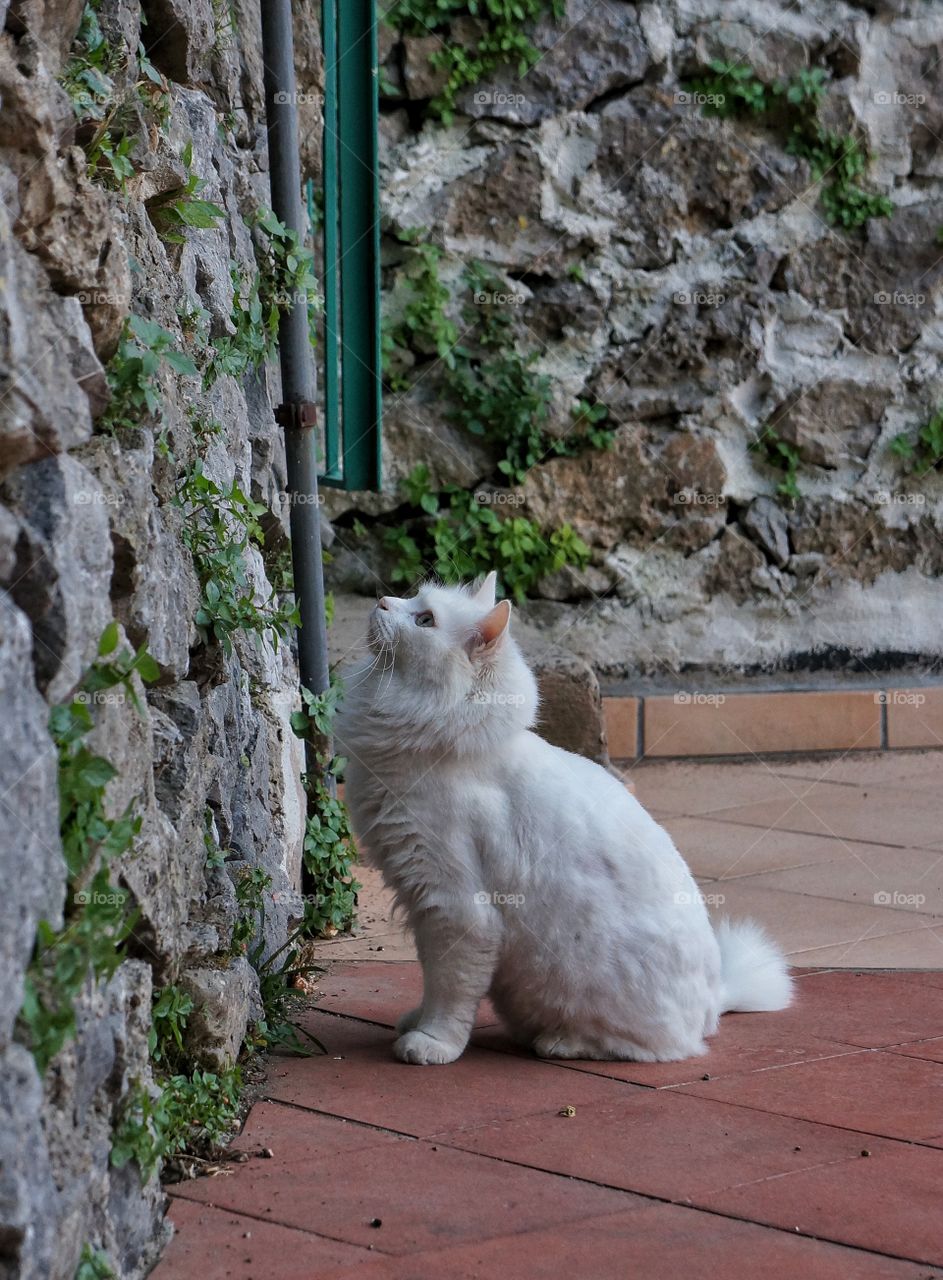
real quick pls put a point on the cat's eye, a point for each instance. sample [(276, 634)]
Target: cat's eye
[(425, 619)]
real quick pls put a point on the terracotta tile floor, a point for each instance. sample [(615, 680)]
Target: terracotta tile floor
[(808, 1142)]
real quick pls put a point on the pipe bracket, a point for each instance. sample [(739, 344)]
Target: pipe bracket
[(300, 415)]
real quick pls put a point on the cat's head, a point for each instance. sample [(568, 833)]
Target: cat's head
[(446, 671)]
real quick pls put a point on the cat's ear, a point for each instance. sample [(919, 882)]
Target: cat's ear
[(485, 593), (490, 631)]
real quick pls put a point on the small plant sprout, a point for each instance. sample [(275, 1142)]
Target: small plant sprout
[(173, 213), (925, 452), (836, 160)]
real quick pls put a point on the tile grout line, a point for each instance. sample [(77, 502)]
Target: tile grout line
[(275, 1222), (648, 1200), (880, 694), (795, 831), (844, 1049), (688, 1201), (649, 1197), (642, 1200)]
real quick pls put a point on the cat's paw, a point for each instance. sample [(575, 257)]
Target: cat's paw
[(424, 1050), (555, 1045), (408, 1021)]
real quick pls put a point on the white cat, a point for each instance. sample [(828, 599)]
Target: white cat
[(527, 873)]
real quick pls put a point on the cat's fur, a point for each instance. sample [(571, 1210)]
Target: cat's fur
[(527, 873)]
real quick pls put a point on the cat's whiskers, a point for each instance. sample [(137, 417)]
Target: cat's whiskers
[(358, 675), (386, 670)]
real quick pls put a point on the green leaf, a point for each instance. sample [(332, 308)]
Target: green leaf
[(181, 363), (148, 331), (147, 667), (109, 640), (97, 772), (199, 213)]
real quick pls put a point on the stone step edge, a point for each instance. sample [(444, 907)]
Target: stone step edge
[(703, 724)]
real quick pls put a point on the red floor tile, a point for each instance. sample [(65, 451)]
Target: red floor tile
[(379, 992), (216, 1245), (932, 1050), (362, 1080), (650, 1243), (869, 1010), (663, 1144), (922, 977), (888, 1202), (880, 814), (416, 1266), (291, 1133), (870, 1091), (364, 989), (424, 1195)]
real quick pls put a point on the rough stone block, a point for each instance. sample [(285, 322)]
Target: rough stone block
[(571, 711), (31, 867), (29, 1200), (224, 1000), (179, 37), (63, 568)]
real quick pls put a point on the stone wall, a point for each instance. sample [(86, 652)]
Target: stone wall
[(89, 533), (678, 269)]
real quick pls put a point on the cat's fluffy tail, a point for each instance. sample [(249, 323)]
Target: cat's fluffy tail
[(754, 974)]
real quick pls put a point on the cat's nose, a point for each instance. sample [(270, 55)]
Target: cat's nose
[(383, 602)]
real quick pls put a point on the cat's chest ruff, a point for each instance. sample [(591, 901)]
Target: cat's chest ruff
[(402, 817), (423, 849)]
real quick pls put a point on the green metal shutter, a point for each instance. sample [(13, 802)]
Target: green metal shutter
[(351, 230)]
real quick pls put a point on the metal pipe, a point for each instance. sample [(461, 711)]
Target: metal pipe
[(298, 376)]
